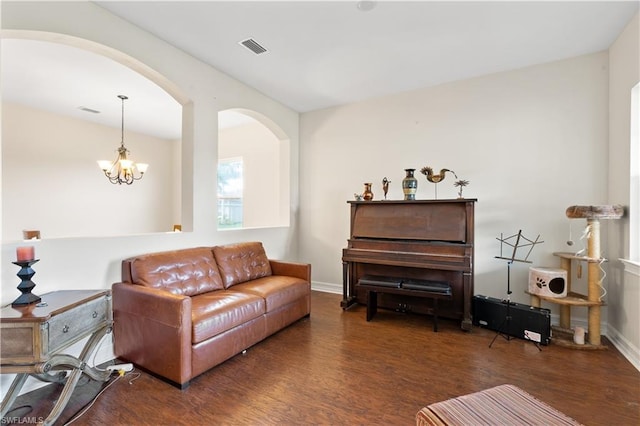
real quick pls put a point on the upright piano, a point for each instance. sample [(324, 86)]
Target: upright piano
[(429, 240)]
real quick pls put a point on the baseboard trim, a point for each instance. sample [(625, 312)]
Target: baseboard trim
[(625, 347), (326, 287)]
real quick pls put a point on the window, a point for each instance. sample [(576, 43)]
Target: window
[(230, 184)]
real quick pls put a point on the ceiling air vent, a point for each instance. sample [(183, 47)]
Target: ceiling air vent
[(85, 109), (253, 46)]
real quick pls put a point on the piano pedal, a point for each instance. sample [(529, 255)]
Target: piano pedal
[(403, 308)]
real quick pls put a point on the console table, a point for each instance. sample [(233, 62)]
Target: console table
[(34, 337)]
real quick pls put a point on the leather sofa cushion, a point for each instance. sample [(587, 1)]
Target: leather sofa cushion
[(277, 290), (241, 262), (187, 272), (216, 312)]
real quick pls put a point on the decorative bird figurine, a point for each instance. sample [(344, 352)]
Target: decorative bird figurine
[(428, 172)]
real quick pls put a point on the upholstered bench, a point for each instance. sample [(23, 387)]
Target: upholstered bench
[(501, 405), (417, 288)]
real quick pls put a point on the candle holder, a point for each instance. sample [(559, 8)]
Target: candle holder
[(26, 285)]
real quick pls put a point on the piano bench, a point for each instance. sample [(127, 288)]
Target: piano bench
[(424, 289)]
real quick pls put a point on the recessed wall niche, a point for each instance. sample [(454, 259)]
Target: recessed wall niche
[(61, 113)]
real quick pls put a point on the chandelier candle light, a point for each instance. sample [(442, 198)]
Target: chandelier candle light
[(122, 169)]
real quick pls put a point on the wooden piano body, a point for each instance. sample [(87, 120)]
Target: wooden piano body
[(420, 240)]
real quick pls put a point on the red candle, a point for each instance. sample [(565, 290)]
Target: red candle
[(25, 254)]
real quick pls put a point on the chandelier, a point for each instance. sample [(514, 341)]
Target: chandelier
[(122, 169)]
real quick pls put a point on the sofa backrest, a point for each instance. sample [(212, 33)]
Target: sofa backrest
[(185, 272), (241, 262)]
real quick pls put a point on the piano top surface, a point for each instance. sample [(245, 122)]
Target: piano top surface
[(426, 220), (452, 200)]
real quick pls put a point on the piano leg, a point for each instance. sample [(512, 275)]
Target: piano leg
[(348, 297), (345, 284), (435, 314), (468, 295), (372, 304)]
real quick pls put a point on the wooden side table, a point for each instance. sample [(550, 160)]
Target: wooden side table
[(33, 338)]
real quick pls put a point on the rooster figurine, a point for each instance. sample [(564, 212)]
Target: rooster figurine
[(428, 172)]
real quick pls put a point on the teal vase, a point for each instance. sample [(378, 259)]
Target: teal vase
[(409, 185)]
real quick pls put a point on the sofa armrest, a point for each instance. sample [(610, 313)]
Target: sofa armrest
[(152, 328), (291, 269), (164, 307)]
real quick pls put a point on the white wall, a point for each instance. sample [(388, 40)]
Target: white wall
[(76, 263), (52, 183), (624, 286), (532, 142)]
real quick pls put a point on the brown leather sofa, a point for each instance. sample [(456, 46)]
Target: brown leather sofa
[(179, 313)]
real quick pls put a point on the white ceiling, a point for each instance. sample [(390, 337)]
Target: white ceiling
[(322, 53), (62, 79)]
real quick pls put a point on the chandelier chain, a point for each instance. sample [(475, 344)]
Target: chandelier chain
[(122, 121)]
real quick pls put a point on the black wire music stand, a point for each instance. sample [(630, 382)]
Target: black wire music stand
[(520, 242)]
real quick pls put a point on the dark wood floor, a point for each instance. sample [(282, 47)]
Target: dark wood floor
[(336, 368)]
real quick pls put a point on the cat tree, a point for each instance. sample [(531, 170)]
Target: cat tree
[(593, 257)]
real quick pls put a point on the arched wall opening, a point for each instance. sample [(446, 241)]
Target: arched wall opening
[(253, 171), (50, 180)]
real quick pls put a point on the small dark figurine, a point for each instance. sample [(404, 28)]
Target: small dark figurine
[(385, 186)]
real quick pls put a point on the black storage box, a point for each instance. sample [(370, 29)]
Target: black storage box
[(527, 322)]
